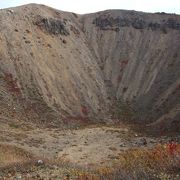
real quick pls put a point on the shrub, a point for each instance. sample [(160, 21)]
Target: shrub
[(13, 125), (155, 163), (124, 110), (11, 83), (84, 110), (64, 41)]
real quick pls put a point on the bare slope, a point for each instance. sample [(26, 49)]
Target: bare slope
[(56, 66), (140, 59), (44, 54)]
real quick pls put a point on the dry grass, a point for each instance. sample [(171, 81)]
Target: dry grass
[(10, 155), (155, 163), (140, 163), (158, 157)]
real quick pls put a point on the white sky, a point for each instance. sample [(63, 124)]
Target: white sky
[(88, 6)]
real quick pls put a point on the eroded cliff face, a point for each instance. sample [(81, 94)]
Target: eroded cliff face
[(47, 67), (57, 66), (139, 55)]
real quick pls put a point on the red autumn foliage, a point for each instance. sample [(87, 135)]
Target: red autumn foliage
[(72, 119), (124, 62), (84, 110), (172, 147), (178, 87), (119, 78), (11, 83)]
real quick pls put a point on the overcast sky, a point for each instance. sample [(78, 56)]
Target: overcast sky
[(87, 6)]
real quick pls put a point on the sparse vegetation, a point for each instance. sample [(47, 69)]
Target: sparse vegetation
[(113, 161), (10, 155), (87, 100), (124, 110), (13, 125), (155, 163), (27, 42), (12, 84), (64, 41)]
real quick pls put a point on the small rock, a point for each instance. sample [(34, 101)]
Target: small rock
[(55, 167), (10, 11), (67, 142), (64, 41), (28, 175), (152, 141), (144, 141), (122, 145), (40, 162), (125, 130), (18, 177)]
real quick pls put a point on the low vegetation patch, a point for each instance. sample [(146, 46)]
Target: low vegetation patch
[(10, 155), (13, 125), (161, 162)]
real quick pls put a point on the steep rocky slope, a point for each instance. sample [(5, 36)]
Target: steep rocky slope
[(57, 66), (140, 59)]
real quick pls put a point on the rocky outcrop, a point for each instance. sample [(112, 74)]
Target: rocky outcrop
[(114, 23), (52, 26)]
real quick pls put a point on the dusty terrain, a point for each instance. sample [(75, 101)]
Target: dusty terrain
[(88, 145), (92, 96), (57, 67), (71, 151)]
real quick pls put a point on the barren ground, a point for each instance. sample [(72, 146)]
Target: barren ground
[(86, 147)]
